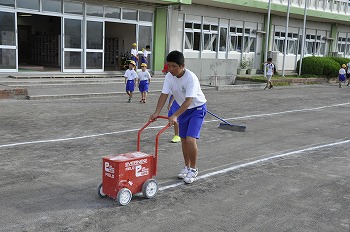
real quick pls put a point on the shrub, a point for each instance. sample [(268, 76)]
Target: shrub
[(319, 66), (331, 68), (340, 60), (311, 65)]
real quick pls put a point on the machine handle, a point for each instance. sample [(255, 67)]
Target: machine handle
[(157, 136)]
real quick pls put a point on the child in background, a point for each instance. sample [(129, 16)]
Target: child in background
[(144, 78), (135, 54), (145, 55), (342, 74), (270, 67), (130, 76), (172, 108), (348, 73)]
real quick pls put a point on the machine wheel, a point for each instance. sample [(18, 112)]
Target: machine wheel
[(150, 188), (100, 192), (124, 196)]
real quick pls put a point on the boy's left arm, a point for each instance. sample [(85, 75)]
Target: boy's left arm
[(183, 108)]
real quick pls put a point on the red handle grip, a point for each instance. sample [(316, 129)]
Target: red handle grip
[(157, 136)]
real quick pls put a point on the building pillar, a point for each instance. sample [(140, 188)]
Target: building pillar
[(334, 34), (159, 39)]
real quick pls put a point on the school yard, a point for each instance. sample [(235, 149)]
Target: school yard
[(290, 170)]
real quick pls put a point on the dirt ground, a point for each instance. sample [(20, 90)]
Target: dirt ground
[(288, 172)]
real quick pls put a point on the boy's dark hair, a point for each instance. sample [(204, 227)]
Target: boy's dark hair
[(176, 57), (148, 46), (269, 59)]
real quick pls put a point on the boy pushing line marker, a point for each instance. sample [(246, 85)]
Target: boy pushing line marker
[(185, 88)]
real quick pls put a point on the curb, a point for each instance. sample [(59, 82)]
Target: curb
[(87, 95), (240, 87)]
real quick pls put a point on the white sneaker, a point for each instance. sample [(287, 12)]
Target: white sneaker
[(191, 176), (183, 172)]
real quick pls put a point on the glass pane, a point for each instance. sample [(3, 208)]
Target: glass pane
[(145, 36), (94, 35), (233, 46), (73, 8), (207, 42), (7, 3), (223, 36), (111, 12), (72, 60), (292, 47), (52, 5), (94, 60), (189, 40), (197, 39), (29, 4), (239, 44), (94, 10), (7, 58), (252, 44), (7, 28), (72, 37), (146, 16), (129, 14)]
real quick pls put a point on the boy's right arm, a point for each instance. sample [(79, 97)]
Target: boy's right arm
[(161, 102)]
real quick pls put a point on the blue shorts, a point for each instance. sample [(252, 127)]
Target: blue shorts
[(143, 87), (136, 60), (341, 77), (143, 60), (130, 86), (191, 121), (173, 108)]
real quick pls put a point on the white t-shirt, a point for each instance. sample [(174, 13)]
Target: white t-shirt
[(269, 69), (183, 87), (130, 75), (134, 52), (144, 75), (348, 65), (342, 71), (145, 53)]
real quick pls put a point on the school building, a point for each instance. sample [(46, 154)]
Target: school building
[(95, 36)]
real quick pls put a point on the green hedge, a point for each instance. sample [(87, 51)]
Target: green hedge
[(326, 66), (340, 60)]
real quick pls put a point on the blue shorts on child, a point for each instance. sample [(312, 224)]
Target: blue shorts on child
[(173, 108), (130, 86), (143, 87), (191, 121), (342, 77)]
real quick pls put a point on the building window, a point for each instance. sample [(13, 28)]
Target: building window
[(348, 47), (28, 4), (341, 44), (111, 12), (129, 14), (192, 36), (236, 39), (292, 42), (73, 8), (146, 16), (52, 5), (223, 38), (10, 3), (93, 10), (320, 45), (7, 29)]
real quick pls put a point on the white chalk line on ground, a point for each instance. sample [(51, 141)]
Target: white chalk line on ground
[(156, 127), (255, 162)]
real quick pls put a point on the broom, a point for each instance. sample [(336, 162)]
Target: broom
[(226, 125)]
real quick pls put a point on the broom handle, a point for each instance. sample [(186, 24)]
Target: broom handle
[(219, 118)]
